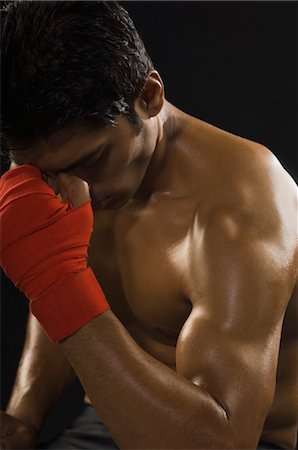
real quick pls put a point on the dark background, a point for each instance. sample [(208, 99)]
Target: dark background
[(231, 64)]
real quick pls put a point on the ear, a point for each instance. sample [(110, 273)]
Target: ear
[(151, 98)]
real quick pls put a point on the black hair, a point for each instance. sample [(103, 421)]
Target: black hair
[(67, 64)]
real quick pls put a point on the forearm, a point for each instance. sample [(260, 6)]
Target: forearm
[(143, 403), (43, 373)]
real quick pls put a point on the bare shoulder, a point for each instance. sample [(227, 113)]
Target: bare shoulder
[(244, 178), (244, 193)]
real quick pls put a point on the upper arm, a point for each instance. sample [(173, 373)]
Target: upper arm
[(229, 344)]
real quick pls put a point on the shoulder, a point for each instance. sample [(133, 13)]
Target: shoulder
[(245, 195), (237, 183), (241, 179), (224, 154)]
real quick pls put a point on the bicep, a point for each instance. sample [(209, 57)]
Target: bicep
[(229, 344), (238, 374)]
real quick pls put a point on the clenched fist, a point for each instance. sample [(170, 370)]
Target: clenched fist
[(15, 434)]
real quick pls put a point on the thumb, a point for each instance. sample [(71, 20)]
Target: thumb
[(73, 190)]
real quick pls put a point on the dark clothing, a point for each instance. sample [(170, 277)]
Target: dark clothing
[(88, 432), (269, 446), (85, 432)]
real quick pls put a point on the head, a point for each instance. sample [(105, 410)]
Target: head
[(79, 92)]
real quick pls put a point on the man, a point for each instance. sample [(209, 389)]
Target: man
[(194, 244)]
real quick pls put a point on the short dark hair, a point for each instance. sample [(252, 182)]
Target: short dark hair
[(66, 64)]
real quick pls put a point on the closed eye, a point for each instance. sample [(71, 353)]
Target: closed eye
[(86, 161), (94, 159)]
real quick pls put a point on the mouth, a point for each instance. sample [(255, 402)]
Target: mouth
[(98, 205), (109, 202)]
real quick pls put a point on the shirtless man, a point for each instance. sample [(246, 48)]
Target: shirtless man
[(194, 245)]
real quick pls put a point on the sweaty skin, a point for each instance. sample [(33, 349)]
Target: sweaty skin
[(145, 257), (199, 349)]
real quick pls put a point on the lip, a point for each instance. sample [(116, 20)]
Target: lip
[(100, 205), (110, 202)]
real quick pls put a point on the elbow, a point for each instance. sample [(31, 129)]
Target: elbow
[(216, 432), (241, 435), (225, 433)]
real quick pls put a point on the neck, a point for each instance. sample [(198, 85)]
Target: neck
[(167, 126)]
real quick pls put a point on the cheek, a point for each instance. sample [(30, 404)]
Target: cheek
[(124, 183), (117, 166), (134, 153), (84, 174)]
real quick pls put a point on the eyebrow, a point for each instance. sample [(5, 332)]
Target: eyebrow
[(73, 165)]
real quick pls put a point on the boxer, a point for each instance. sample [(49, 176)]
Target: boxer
[(176, 305)]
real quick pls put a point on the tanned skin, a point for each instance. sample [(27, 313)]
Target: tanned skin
[(199, 349)]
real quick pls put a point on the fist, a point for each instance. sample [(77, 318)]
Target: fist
[(44, 248), (70, 189), (15, 434)]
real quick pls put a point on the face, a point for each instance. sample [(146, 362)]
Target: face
[(113, 161)]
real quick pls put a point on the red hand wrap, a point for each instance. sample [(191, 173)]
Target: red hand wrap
[(44, 245)]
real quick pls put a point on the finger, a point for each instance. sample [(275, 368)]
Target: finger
[(51, 180), (13, 165), (53, 184), (12, 442), (73, 189), (62, 191)]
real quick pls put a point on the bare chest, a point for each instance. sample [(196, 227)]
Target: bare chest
[(141, 258)]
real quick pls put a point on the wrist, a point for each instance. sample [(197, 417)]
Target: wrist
[(72, 302), (45, 254)]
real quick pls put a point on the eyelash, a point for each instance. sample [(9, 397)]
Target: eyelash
[(93, 160)]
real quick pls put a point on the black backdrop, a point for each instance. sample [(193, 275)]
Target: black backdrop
[(231, 64)]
